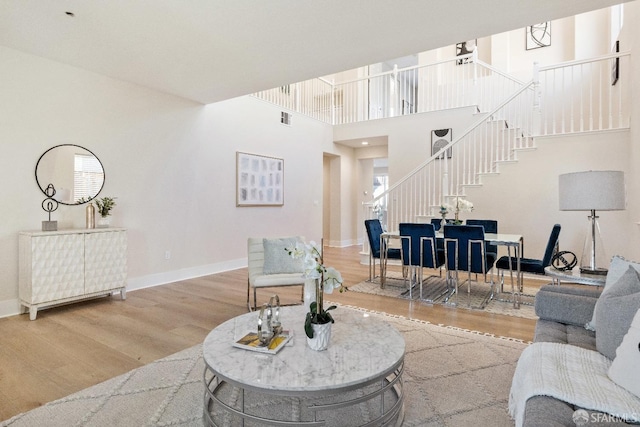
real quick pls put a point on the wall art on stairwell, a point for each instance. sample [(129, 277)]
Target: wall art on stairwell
[(615, 65), (465, 48), (259, 180), (439, 139), (538, 35)]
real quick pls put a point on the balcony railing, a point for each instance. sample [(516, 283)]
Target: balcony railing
[(575, 96), (585, 96), (456, 82)]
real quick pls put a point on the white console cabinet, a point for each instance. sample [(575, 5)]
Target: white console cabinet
[(58, 267)]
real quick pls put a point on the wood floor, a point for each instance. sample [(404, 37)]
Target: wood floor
[(75, 346)]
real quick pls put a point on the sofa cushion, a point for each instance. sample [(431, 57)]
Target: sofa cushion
[(615, 310), (617, 268), (570, 304), (277, 260), (625, 370), (551, 331)]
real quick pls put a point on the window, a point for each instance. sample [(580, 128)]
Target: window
[(88, 177)]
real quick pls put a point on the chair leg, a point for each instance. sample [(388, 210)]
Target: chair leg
[(469, 289), (248, 293), (449, 291)]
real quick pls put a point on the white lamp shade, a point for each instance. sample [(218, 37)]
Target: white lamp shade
[(592, 190)]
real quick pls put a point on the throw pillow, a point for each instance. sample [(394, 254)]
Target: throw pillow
[(277, 259), (624, 370), (615, 311), (617, 268)]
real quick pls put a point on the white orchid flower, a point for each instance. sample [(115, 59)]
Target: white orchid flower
[(332, 280), (313, 267)]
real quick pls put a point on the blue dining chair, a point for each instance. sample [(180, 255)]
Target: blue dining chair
[(466, 250), (419, 251), (437, 222), (374, 231), (530, 265), (490, 226)]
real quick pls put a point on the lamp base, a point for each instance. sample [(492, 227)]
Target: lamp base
[(594, 257), (596, 271)]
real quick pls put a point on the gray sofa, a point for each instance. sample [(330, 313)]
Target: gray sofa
[(563, 311)]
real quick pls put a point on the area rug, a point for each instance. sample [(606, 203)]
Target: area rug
[(452, 377), (397, 287)]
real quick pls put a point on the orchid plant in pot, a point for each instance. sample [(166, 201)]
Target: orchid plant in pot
[(461, 205), (326, 280)]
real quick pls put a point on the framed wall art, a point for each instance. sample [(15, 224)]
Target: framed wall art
[(615, 65), (538, 35), (464, 48), (259, 180), (439, 139)]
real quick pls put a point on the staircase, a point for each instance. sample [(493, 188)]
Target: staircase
[(572, 97)]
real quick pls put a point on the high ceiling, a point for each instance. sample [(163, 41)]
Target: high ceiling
[(211, 50)]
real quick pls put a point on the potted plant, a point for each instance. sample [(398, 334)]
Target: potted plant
[(317, 324), (104, 206)]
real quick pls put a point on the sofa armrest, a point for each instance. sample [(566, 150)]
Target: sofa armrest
[(569, 304)]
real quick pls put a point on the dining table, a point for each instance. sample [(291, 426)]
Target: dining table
[(513, 242)]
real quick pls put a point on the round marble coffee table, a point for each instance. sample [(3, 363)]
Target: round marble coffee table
[(356, 381)]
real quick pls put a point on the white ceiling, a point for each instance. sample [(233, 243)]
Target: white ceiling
[(211, 50)]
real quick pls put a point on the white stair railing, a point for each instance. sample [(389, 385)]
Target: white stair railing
[(495, 137), (579, 96)]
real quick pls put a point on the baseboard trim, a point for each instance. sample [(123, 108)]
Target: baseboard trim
[(341, 243), (12, 307), (158, 279), (9, 307)]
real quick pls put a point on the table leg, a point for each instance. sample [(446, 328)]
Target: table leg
[(516, 296), (383, 260), (513, 290)]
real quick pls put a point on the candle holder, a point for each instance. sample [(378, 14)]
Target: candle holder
[(269, 326), (50, 205)]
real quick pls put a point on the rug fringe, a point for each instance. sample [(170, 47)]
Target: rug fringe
[(426, 322)]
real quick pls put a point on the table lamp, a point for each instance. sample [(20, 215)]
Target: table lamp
[(592, 191)]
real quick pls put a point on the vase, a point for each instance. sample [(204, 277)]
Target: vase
[(309, 292), (321, 336), (104, 222), (90, 215)]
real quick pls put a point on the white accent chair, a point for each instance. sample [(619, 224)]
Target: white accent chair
[(257, 277)]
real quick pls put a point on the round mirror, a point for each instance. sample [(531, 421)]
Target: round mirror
[(75, 173)]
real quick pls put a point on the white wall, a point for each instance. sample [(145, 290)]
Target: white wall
[(170, 163), (409, 137), (523, 197), (630, 40)]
